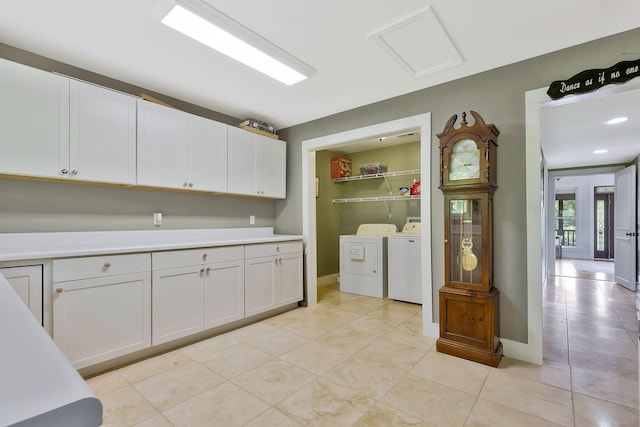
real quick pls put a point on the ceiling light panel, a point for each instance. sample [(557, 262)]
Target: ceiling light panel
[(617, 120), (202, 22), (418, 43)]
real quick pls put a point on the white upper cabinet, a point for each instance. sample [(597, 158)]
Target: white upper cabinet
[(180, 150), (207, 154), (102, 135), (257, 164), (271, 167), (51, 127), (34, 121)]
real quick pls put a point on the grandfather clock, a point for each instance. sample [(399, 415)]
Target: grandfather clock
[(469, 310)]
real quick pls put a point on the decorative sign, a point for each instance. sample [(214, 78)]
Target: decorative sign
[(590, 80)]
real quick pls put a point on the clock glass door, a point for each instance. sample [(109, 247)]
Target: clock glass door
[(465, 240)]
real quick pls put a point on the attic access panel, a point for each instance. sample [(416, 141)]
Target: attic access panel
[(418, 43)]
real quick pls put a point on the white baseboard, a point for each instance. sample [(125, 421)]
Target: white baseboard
[(329, 279)]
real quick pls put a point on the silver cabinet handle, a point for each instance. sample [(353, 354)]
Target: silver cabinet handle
[(107, 264), (59, 290), (191, 184), (64, 171), (75, 172), (204, 256), (202, 270), (208, 270), (184, 184)]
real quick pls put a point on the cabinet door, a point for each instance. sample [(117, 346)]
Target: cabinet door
[(259, 285), (289, 278), (177, 303), (223, 293), (102, 134), (207, 154), (34, 121), (27, 282), (271, 167), (242, 162), (162, 146), (99, 319)]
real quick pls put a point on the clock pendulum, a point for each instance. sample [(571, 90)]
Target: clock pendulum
[(468, 260)]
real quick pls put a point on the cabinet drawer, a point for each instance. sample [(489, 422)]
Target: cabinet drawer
[(99, 266), (271, 249), (184, 258)]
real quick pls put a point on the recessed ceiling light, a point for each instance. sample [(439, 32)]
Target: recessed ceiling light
[(212, 28), (600, 151), (617, 120)]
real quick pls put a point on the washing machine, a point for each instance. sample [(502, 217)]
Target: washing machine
[(405, 264), (363, 260)]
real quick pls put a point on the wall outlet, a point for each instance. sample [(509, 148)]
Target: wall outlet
[(157, 218), (252, 219)]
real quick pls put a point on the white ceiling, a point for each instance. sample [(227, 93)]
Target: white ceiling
[(573, 128), (120, 39), (344, 41)]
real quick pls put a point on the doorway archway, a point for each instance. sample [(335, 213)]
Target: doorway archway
[(420, 123)]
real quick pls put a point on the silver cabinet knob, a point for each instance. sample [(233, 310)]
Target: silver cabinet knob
[(204, 256), (185, 184), (74, 172), (202, 270), (208, 270), (191, 184), (59, 290), (107, 264), (64, 171)]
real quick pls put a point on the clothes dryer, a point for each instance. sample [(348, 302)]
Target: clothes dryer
[(363, 260), (405, 264)]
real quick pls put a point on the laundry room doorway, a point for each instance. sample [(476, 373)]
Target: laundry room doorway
[(420, 125)]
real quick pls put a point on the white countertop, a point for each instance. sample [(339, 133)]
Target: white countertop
[(38, 385), (25, 246)]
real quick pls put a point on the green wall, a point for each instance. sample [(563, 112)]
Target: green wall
[(498, 95)]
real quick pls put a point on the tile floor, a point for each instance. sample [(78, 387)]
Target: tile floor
[(359, 361)]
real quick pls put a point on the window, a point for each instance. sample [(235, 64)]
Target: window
[(565, 217)]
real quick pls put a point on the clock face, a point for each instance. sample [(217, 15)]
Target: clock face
[(464, 161)]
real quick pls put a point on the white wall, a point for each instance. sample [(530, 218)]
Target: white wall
[(584, 188)]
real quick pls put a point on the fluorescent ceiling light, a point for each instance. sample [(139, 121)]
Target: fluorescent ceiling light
[(600, 151), (617, 120), (217, 31)]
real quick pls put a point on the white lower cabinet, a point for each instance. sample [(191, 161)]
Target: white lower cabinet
[(177, 303), (101, 306), (27, 282), (108, 306), (260, 285), (273, 276), (223, 293), (196, 289)]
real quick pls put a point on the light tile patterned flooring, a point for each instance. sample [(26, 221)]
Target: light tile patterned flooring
[(359, 361)]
